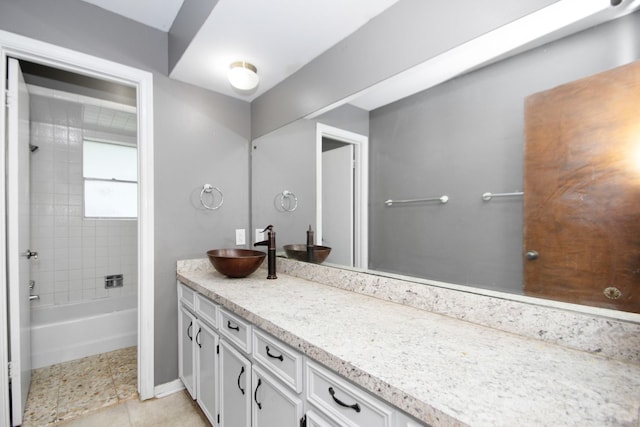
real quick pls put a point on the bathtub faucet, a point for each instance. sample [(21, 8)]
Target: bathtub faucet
[(270, 243)]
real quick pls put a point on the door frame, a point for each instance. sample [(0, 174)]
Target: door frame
[(361, 188), (21, 47)]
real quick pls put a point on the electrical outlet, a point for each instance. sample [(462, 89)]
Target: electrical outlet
[(240, 240), (259, 235)]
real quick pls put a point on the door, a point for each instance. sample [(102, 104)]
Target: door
[(273, 404), (186, 351), (18, 243), (207, 371), (235, 387), (337, 203), (582, 191)]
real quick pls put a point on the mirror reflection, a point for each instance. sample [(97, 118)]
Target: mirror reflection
[(469, 136)]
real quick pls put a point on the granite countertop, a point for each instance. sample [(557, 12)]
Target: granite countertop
[(441, 370)]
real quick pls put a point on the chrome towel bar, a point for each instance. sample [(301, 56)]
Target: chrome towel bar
[(442, 199), (488, 196)]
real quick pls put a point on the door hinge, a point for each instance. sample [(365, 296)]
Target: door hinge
[(10, 369), (303, 421), (218, 349), (9, 98), (218, 419)]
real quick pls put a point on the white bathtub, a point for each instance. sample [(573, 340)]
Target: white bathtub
[(68, 332)]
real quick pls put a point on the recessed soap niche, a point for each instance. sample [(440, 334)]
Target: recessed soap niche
[(113, 281)]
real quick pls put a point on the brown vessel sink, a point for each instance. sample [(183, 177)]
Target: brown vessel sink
[(235, 262), (299, 252)]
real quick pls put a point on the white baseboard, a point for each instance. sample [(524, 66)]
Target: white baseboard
[(166, 389)]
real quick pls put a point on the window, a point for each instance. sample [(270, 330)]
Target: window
[(110, 173)]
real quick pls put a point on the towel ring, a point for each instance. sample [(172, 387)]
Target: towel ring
[(208, 189), (286, 194)]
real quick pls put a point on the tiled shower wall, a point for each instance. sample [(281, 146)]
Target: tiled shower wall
[(74, 253)]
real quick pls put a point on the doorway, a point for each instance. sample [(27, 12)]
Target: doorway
[(582, 191), (22, 48), (342, 195)]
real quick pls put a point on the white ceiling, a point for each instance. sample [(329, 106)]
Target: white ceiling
[(281, 36), (158, 14), (278, 36)]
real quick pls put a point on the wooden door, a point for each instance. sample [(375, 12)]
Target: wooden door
[(582, 191)]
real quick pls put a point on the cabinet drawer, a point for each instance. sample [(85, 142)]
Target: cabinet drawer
[(207, 310), (235, 329), (279, 359), (316, 420), (186, 296), (343, 402)]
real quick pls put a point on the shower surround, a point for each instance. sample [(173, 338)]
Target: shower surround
[(74, 253)]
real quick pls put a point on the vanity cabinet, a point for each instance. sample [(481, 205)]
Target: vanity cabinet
[(243, 377), (197, 349)]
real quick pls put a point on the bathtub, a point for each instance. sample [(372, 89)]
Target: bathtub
[(66, 332)]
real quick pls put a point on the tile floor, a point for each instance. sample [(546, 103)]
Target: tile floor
[(73, 393)]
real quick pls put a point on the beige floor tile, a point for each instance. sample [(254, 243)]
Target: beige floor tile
[(114, 416), (174, 410), (70, 389)]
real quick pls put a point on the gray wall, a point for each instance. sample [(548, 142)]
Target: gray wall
[(463, 138), (408, 33), (199, 137), (285, 159)]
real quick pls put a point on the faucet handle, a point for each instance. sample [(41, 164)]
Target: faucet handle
[(268, 227)]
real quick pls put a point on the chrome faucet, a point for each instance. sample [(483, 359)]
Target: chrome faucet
[(270, 243)]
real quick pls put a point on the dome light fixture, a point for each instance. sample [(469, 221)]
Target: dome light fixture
[(243, 76)]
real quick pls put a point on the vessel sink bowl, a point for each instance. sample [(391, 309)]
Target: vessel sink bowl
[(235, 262), (299, 252)]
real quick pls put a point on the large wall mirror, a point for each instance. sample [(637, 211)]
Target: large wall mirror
[(466, 137)]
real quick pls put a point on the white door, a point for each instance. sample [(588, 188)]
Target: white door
[(273, 404), (235, 387), (337, 204), (186, 350), (18, 243), (207, 371)]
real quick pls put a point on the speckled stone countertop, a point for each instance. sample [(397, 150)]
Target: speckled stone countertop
[(441, 370)]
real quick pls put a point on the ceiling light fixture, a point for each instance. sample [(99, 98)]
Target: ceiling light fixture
[(243, 76)]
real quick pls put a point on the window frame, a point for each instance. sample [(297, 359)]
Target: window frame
[(124, 181)]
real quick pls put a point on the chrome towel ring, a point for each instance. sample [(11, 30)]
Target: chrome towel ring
[(208, 189), (286, 194)]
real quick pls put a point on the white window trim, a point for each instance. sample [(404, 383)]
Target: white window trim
[(93, 179)]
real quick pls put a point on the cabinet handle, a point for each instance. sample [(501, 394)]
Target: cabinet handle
[(274, 356), (239, 375), (355, 406), (189, 331), (255, 394), (197, 335), (235, 328)]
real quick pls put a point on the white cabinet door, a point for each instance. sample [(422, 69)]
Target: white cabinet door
[(186, 350), (206, 341), (272, 403), (235, 387)]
